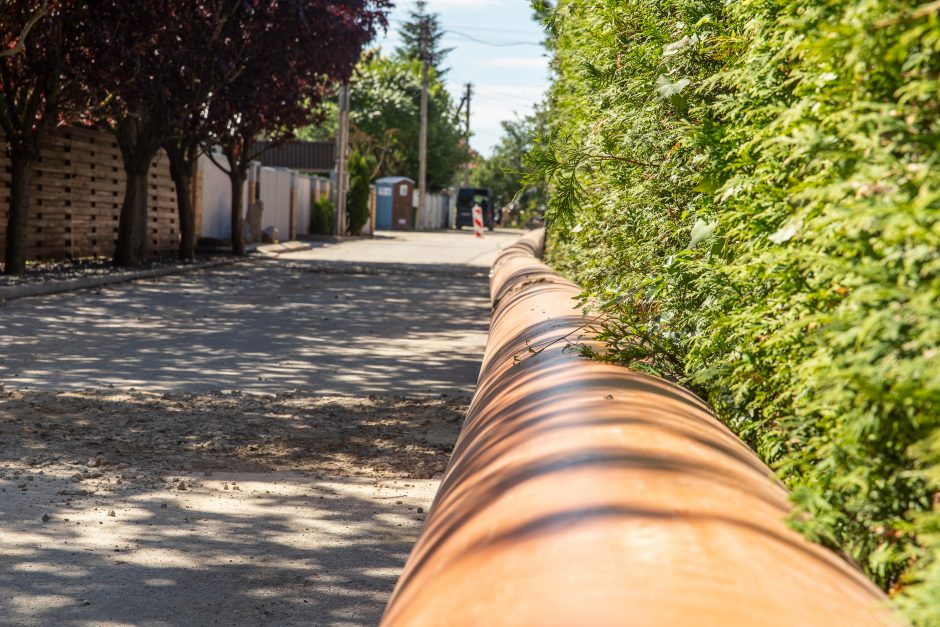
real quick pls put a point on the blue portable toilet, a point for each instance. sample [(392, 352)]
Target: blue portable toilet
[(393, 203)]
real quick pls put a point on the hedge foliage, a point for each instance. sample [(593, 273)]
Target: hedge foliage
[(321, 217), (357, 199), (751, 190)]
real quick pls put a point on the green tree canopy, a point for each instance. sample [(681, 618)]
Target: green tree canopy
[(501, 171), (385, 120)]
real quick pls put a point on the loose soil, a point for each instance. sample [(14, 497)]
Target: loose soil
[(101, 433)]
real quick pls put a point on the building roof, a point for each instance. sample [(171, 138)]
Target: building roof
[(303, 156)]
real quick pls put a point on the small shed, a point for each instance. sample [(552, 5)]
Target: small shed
[(394, 206)]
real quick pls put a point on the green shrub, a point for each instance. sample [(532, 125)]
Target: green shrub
[(752, 191), (357, 199), (321, 217)]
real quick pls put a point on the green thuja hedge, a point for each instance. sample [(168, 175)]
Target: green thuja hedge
[(751, 190), (321, 217), (357, 202)]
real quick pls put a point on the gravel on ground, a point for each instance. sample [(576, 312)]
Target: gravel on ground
[(97, 434), (225, 508), (55, 270)]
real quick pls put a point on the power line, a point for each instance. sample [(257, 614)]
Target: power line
[(486, 95), (484, 29), (514, 104), (503, 92), (495, 44)]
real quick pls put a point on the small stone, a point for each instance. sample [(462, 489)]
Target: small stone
[(420, 510), (78, 477), (181, 486), (162, 505), (112, 514), (46, 518)]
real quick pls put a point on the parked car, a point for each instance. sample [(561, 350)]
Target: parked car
[(467, 197)]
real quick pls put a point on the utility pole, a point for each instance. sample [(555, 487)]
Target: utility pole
[(423, 137), (342, 148), (466, 167)]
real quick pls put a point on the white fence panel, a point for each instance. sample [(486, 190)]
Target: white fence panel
[(302, 194), (437, 214), (216, 200), (275, 195)]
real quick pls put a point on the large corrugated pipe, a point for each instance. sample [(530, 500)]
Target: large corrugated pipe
[(581, 493)]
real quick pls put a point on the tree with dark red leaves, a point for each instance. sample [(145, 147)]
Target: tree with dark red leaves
[(40, 87), (297, 51), (175, 71), (159, 63), (216, 54)]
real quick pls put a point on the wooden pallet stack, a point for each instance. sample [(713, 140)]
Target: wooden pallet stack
[(77, 194)]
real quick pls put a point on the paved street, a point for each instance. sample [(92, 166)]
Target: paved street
[(457, 247), (254, 444), (270, 325)]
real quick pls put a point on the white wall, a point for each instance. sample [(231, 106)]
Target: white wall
[(438, 212), (302, 223), (216, 200), (275, 188), (275, 194)]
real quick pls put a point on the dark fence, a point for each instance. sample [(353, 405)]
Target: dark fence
[(303, 156)]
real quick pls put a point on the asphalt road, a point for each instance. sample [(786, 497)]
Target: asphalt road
[(398, 314)]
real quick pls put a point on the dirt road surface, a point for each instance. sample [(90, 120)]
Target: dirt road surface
[(252, 445)]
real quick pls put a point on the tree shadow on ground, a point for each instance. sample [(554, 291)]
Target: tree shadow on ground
[(263, 325), (322, 552), (378, 436)]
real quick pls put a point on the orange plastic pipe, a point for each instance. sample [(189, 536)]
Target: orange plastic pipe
[(581, 493)]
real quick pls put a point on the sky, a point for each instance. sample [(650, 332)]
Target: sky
[(507, 66)]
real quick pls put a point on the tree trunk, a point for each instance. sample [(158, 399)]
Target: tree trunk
[(182, 160), (131, 247), (237, 178), (237, 173), (17, 218), (138, 149)]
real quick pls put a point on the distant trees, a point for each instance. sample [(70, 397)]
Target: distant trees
[(385, 93), (385, 96), (501, 170), (176, 75)]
